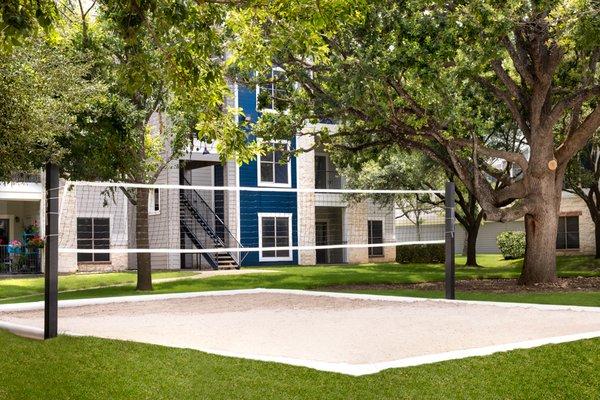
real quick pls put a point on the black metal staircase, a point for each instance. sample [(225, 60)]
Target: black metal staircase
[(200, 224)]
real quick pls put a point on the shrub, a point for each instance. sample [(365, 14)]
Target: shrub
[(420, 253), (511, 244)]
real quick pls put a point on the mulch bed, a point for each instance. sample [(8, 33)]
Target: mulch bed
[(583, 284)]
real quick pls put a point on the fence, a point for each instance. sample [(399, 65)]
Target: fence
[(20, 260)]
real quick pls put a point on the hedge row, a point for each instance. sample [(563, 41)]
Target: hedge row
[(420, 253)]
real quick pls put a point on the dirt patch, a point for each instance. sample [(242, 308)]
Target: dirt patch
[(575, 284)]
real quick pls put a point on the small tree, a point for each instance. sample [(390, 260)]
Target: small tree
[(414, 171), (162, 62)]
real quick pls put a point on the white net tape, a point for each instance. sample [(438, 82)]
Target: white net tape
[(251, 224)]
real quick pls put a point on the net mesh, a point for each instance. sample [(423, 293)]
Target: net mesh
[(236, 226)]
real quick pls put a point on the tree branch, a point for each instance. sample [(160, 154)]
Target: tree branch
[(510, 104), (509, 156), (571, 102), (574, 142)]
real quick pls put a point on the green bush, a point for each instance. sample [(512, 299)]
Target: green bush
[(420, 253), (511, 244)]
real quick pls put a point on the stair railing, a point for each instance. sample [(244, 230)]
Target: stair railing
[(203, 209)]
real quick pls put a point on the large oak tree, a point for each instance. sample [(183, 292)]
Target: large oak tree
[(436, 77)]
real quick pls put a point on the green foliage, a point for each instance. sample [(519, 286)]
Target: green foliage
[(43, 87), (511, 244), (162, 62), (419, 75), (298, 277), (105, 368), (420, 253), (20, 19)]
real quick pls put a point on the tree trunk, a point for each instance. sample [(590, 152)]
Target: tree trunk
[(541, 226), (472, 233), (144, 265), (597, 234)]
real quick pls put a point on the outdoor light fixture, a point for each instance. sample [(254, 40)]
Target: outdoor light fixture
[(205, 150)]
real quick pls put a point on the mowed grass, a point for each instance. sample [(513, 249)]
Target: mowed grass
[(323, 277), (90, 368), (23, 286)]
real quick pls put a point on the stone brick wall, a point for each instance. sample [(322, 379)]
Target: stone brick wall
[(305, 171), (88, 202), (384, 213), (573, 205), (357, 231)]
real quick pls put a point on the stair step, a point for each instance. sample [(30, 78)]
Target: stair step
[(225, 267)]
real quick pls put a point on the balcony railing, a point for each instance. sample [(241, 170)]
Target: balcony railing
[(327, 179), (23, 177), (20, 260)]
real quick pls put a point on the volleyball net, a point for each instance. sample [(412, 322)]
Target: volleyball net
[(224, 226)]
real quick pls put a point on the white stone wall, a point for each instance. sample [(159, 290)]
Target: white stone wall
[(305, 172), (386, 215), (163, 227), (356, 231), (67, 228), (90, 202), (572, 205)]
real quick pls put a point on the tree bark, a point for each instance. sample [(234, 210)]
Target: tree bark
[(472, 232), (597, 234), (541, 225), (144, 265)]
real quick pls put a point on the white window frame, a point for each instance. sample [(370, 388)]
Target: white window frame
[(260, 241), (151, 200), (257, 93), (262, 183), (382, 236)]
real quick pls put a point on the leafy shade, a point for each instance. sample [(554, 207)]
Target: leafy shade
[(442, 80), (20, 19), (42, 89)]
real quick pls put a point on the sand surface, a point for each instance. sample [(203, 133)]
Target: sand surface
[(318, 328)]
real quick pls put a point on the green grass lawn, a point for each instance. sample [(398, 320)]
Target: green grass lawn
[(13, 287), (314, 278), (89, 368)]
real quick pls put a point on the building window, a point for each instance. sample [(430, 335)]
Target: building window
[(275, 230), (271, 170), (273, 93), (93, 234), (154, 202), (375, 236), (326, 176), (568, 233)]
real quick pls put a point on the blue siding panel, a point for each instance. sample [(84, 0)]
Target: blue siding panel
[(252, 203)]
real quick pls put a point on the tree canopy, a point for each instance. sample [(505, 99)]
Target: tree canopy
[(20, 19), (43, 87), (441, 78)]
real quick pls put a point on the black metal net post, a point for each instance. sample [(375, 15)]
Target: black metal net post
[(51, 259), (449, 245)]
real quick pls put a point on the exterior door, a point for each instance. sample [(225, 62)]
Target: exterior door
[(4, 231), (321, 240)]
